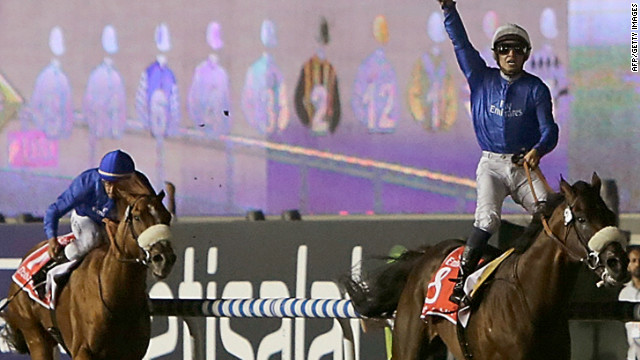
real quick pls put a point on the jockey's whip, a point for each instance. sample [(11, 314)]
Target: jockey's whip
[(10, 298)]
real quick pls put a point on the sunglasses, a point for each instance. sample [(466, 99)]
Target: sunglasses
[(504, 49)]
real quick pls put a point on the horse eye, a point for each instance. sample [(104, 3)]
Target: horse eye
[(581, 220), (136, 218)]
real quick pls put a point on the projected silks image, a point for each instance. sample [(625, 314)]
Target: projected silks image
[(104, 103), (264, 95), (432, 94), (317, 97), (375, 91), (157, 101), (208, 101), (50, 108)]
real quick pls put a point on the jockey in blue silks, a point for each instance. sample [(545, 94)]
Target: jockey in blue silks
[(90, 198), (513, 122)]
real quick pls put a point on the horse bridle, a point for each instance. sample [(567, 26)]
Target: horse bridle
[(146, 255), (144, 260), (591, 258)]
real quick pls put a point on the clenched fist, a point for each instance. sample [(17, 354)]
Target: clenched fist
[(54, 248)]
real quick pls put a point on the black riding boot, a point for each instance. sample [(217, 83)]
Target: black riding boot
[(468, 261)]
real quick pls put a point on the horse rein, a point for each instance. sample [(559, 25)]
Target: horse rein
[(142, 261), (146, 256), (591, 259)]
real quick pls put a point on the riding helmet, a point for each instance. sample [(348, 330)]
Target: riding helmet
[(116, 165), (510, 32)]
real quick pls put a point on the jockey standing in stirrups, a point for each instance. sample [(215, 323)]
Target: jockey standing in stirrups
[(91, 197), (511, 111)]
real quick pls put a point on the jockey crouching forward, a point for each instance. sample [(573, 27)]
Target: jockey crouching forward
[(92, 196)]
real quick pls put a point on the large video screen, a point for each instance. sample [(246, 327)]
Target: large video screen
[(327, 107)]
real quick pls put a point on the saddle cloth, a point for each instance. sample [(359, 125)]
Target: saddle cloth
[(33, 263), (442, 282)]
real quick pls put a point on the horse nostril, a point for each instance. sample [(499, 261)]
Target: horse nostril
[(157, 258), (613, 264)]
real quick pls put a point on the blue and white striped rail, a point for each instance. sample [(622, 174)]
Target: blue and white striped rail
[(343, 309), (256, 308)]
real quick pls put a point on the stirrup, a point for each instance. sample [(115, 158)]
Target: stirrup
[(464, 302), (458, 295)]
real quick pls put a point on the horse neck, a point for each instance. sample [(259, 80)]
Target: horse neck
[(545, 271), (122, 281), (121, 208)]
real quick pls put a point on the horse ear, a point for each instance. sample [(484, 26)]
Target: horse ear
[(566, 189), (596, 183)]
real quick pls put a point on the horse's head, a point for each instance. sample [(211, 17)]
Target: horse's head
[(590, 232), (147, 221)]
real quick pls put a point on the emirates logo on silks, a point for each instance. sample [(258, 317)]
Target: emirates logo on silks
[(505, 110), (102, 212)]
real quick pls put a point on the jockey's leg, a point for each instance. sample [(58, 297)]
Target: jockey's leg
[(470, 257), (522, 194), (88, 236), (38, 279), (491, 180)]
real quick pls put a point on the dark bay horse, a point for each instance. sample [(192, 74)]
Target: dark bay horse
[(103, 311), (521, 313)]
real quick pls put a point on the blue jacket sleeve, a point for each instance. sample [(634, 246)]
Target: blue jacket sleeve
[(548, 128), (469, 60), (75, 195)]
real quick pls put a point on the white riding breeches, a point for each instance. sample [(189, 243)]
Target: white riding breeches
[(88, 236), (496, 178)]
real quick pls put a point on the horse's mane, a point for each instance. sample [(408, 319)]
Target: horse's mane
[(136, 185), (530, 233)]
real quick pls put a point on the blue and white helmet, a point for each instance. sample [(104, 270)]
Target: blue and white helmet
[(116, 165)]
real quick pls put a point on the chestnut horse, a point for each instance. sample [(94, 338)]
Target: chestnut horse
[(521, 313), (103, 311)]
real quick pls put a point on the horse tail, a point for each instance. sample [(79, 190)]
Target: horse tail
[(13, 337), (377, 295)]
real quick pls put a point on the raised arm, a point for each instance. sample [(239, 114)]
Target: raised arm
[(469, 60)]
